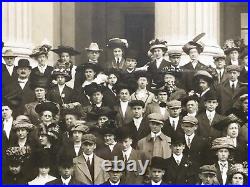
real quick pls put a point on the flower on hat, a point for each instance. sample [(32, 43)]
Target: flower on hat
[(237, 44), (18, 153)]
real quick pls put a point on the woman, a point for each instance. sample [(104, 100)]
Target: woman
[(65, 54), (237, 175)]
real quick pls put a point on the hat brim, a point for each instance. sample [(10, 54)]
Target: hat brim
[(161, 46), (192, 45), (88, 49), (228, 51), (65, 50), (157, 121), (67, 77)]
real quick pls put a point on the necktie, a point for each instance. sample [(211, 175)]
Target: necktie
[(210, 118), (233, 86), (189, 142), (173, 124), (178, 162), (220, 75), (88, 163)]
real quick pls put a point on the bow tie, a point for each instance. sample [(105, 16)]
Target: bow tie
[(21, 81), (223, 165), (162, 104)]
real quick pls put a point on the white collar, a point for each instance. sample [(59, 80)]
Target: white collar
[(99, 105), (127, 152), (90, 157), (114, 183), (122, 102), (66, 181), (193, 114), (246, 68), (205, 91), (220, 70), (235, 82), (211, 113), (156, 183), (191, 137), (178, 157), (153, 135), (174, 119), (137, 119), (159, 60), (235, 62), (23, 80), (130, 71)]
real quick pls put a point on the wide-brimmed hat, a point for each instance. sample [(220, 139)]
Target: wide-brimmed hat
[(12, 101), (218, 56), (132, 54), (156, 43), (233, 45), (39, 50), (103, 111), (194, 44), (52, 131), (42, 158), (66, 49), (93, 88), (109, 127), (62, 72), (185, 100), (47, 106), (24, 63), (158, 163), (202, 74), (237, 168), (223, 142), (117, 43), (17, 155), (223, 124), (9, 53), (39, 81), (93, 47), (80, 126), (22, 121)]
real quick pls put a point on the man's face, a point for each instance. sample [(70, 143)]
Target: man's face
[(193, 54), (88, 147), (112, 79), (127, 142), (137, 111), (93, 55), (188, 129), (66, 172), (142, 82), (245, 61), (169, 79), (89, 74), (124, 95), (192, 106), (211, 105), (15, 169), (47, 117), (178, 149), (156, 174), (131, 63), (222, 154), (22, 133), (43, 170), (70, 120), (61, 79), (245, 105), (109, 139), (9, 60), (174, 112), (207, 178), (220, 63), (155, 127), (65, 57), (233, 130), (43, 139), (162, 97), (97, 97), (175, 60), (117, 52), (203, 85), (238, 179), (6, 112), (40, 93), (77, 136), (23, 72), (114, 176), (42, 59), (234, 55), (158, 53), (101, 120), (233, 75)]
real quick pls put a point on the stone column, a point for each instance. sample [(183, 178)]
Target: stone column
[(17, 27), (180, 22)]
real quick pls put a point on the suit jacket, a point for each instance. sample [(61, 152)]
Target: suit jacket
[(185, 173), (119, 66), (59, 182), (219, 177), (35, 71), (188, 74), (119, 116), (223, 78), (226, 96), (80, 96), (105, 153), (160, 147), (82, 173), (108, 183), (54, 95), (178, 94), (243, 75), (155, 108), (69, 147), (109, 97), (205, 129), (148, 98), (7, 78), (169, 131)]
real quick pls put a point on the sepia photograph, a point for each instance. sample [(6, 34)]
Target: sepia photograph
[(115, 93)]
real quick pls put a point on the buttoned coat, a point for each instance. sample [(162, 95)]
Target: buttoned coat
[(154, 107), (119, 116)]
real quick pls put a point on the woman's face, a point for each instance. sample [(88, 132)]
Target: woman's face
[(89, 74), (22, 133), (43, 139), (245, 105), (40, 93), (44, 171), (142, 82), (117, 52), (193, 54), (158, 53), (42, 59), (234, 55), (65, 57), (112, 79), (233, 130), (47, 116), (238, 179)]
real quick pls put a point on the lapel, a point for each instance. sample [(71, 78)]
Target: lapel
[(97, 166), (219, 177), (133, 155), (84, 167), (227, 89), (163, 64)]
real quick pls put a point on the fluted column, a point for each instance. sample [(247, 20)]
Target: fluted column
[(17, 27), (180, 22)]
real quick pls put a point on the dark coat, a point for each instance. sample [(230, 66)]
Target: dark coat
[(169, 131), (105, 152), (219, 177), (7, 78), (177, 94), (109, 97), (122, 120), (59, 181), (48, 71), (115, 65), (54, 95), (69, 147), (10, 178), (155, 108)]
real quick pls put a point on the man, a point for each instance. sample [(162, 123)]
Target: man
[(87, 167), (139, 124), (190, 105), (155, 143), (220, 63), (193, 50), (156, 171), (228, 89), (207, 175), (131, 62), (179, 168), (173, 124)]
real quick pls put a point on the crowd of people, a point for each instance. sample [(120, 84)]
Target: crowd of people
[(186, 124)]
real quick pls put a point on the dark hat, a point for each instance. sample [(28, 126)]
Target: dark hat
[(113, 71), (93, 88), (103, 111), (39, 50), (232, 45), (174, 53), (24, 63), (174, 104), (132, 54), (9, 53), (223, 142), (12, 101), (72, 111), (202, 74), (89, 138), (52, 131), (155, 117), (159, 88), (233, 68), (62, 72), (223, 124), (244, 53), (109, 127), (177, 140), (238, 113), (185, 100), (92, 66), (117, 43), (120, 86), (47, 106), (156, 43), (17, 155), (66, 49), (39, 81), (142, 73), (42, 158), (65, 160), (210, 95), (22, 121), (238, 168), (194, 44), (211, 169), (218, 56), (137, 103), (93, 47), (124, 133), (80, 126), (190, 120), (158, 163)]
